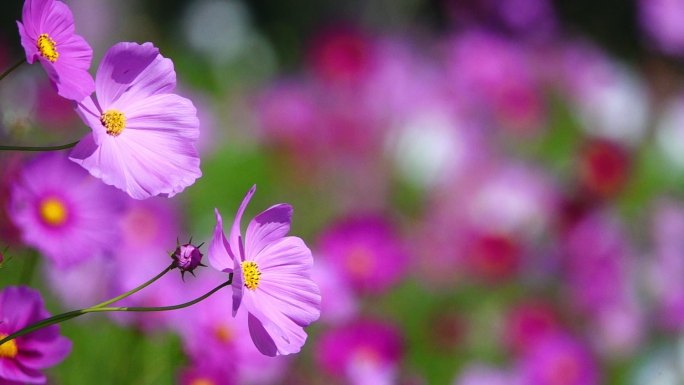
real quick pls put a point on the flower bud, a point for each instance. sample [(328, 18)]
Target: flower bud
[(187, 258)]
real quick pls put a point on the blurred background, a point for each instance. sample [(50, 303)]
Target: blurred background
[(492, 189)]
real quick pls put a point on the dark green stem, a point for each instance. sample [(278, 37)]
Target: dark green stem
[(38, 148), (76, 313), (12, 68)]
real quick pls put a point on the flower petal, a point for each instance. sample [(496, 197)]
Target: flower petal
[(235, 239), (219, 256), (12, 370), (131, 71), (269, 226), (163, 113), (39, 355), (143, 163), (262, 339)]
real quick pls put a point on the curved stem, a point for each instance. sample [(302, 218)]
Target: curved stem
[(137, 289), (76, 313), (39, 148), (12, 68)]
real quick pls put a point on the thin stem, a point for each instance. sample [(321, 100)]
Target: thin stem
[(12, 68), (137, 289), (39, 148), (76, 313)]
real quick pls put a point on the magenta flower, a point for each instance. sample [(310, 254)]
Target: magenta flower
[(144, 136), (22, 359), (367, 251), (48, 35), (272, 277), (364, 351), (64, 212), (559, 359)]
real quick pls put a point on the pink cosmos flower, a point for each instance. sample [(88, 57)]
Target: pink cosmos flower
[(48, 35), (22, 359), (64, 212), (144, 136), (272, 277)]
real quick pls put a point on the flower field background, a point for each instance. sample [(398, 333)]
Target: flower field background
[(492, 192)]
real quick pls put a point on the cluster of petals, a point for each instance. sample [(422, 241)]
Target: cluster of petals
[(271, 277)]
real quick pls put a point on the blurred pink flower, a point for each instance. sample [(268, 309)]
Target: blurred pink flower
[(144, 136), (272, 277), (22, 359), (64, 212), (338, 302), (558, 359), (495, 79), (363, 351), (479, 374), (663, 22), (48, 35), (210, 334), (367, 251), (527, 323), (666, 265)]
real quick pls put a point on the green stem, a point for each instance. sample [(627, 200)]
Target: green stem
[(12, 68), (76, 313), (39, 148), (137, 289), (29, 268)]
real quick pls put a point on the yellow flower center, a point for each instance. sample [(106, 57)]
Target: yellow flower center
[(251, 274), (202, 381), (8, 349), (114, 121), (53, 211), (47, 47)]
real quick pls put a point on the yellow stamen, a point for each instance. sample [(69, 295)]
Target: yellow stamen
[(47, 47), (114, 121), (251, 274), (8, 349), (53, 211)]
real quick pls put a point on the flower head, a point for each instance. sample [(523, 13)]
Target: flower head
[(144, 136), (64, 212), (23, 357), (48, 35), (187, 257), (272, 277)]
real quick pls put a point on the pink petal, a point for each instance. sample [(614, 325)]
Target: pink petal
[(23, 306), (235, 238), (58, 23), (219, 258), (168, 114), (262, 339), (43, 355), (130, 71), (267, 227), (12, 370), (142, 163)]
